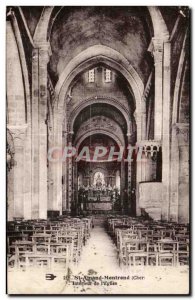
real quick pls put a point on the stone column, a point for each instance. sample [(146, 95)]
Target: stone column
[(70, 175), (43, 60), (19, 136), (174, 191), (50, 180), (35, 136), (10, 176), (18, 108), (64, 174), (179, 204), (143, 120), (75, 182), (69, 184), (161, 52), (138, 168), (183, 187), (57, 165), (129, 172), (138, 177), (129, 185), (158, 106), (39, 130), (122, 194), (166, 130)]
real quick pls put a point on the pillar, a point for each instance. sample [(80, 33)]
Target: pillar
[(122, 194), (18, 112), (174, 193), (57, 166), (166, 162), (43, 60), (70, 175), (69, 184), (19, 136), (162, 58), (158, 104), (143, 120), (64, 174), (40, 58), (75, 187), (129, 174), (129, 185), (10, 176)]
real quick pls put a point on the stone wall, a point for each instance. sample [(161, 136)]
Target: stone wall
[(150, 198)]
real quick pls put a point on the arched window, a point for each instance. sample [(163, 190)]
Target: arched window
[(107, 75), (91, 75)]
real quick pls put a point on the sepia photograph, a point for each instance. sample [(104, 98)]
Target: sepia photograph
[(98, 150)]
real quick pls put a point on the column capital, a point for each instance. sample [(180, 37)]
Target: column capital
[(135, 115), (182, 132), (131, 138), (64, 134), (69, 136), (18, 131), (44, 50), (19, 134), (157, 50)]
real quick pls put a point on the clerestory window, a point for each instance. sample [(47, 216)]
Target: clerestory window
[(91, 75), (107, 75)]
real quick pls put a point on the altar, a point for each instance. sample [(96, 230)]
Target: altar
[(99, 206), (97, 197)]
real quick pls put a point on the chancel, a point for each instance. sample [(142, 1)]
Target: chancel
[(97, 138)]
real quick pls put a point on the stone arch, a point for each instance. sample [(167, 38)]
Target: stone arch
[(159, 25), (90, 101), (99, 169), (24, 68), (15, 83), (179, 78), (93, 55), (99, 123), (99, 131), (113, 59), (40, 35)]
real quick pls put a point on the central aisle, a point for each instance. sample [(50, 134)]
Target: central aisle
[(98, 260), (100, 252)]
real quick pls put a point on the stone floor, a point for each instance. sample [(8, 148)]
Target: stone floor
[(98, 273)]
